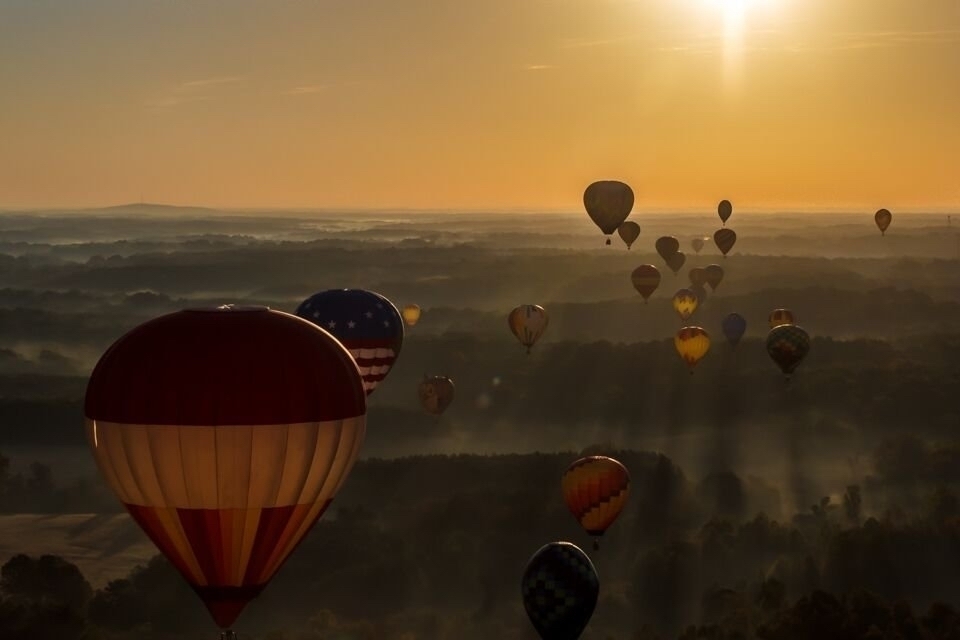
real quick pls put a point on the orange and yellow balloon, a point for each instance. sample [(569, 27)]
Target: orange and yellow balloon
[(692, 344), (595, 490)]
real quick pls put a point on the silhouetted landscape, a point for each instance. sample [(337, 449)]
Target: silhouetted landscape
[(827, 508)]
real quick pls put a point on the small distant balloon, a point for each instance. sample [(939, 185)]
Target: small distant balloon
[(698, 276), (685, 303), (608, 203), (528, 322), (788, 345), (780, 316), (436, 394), (411, 314), (646, 279), (559, 589), (629, 232), (667, 246), (883, 219), (714, 275), (700, 292), (724, 210), (697, 244), (725, 239), (734, 326), (692, 343), (675, 262)]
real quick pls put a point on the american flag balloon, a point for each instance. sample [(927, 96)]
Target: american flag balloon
[(366, 323)]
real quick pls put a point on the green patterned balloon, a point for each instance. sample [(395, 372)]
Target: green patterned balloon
[(560, 589), (788, 345)]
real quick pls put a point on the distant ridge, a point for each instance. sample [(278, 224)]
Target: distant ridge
[(152, 209)]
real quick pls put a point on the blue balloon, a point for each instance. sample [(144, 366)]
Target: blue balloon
[(560, 589), (734, 326), (364, 322)]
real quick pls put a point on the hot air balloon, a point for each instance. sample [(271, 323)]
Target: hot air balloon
[(646, 279), (667, 246), (685, 303), (560, 588), (366, 323), (692, 344), (788, 345), (883, 219), (608, 203), (528, 322), (436, 393), (698, 276), (734, 326), (724, 210), (725, 239), (714, 275), (411, 314), (595, 489), (700, 292), (675, 262), (780, 316), (225, 433), (697, 244), (629, 232)]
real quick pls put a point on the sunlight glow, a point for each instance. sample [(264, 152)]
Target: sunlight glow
[(734, 14)]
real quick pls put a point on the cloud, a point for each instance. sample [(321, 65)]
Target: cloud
[(306, 90), (192, 91), (208, 82), (538, 67)]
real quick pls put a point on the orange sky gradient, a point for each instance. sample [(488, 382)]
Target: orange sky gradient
[(498, 104)]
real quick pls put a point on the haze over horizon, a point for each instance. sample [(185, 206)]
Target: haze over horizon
[(494, 106)]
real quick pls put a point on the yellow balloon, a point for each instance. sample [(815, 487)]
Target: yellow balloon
[(685, 303), (692, 344), (411, 314)]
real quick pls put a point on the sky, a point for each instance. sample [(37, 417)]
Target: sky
[(496, 104)]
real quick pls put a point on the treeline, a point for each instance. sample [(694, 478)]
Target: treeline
[(843, 388), (432, 548)]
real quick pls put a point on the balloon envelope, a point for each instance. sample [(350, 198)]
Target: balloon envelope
[(560, 588), (697, 244), (698, 276), (608, 203), (883, 219), (435, 393), (714, 275), (411, 314), (780, 316), (667, 246), (629, 232), (692, 343), (675, 262), (725, 239), (646, 279), (685, 302), (595, 489), (788, 345), (734, 326), (366, 323), (528, 322), (223, 463), (724, 210)]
